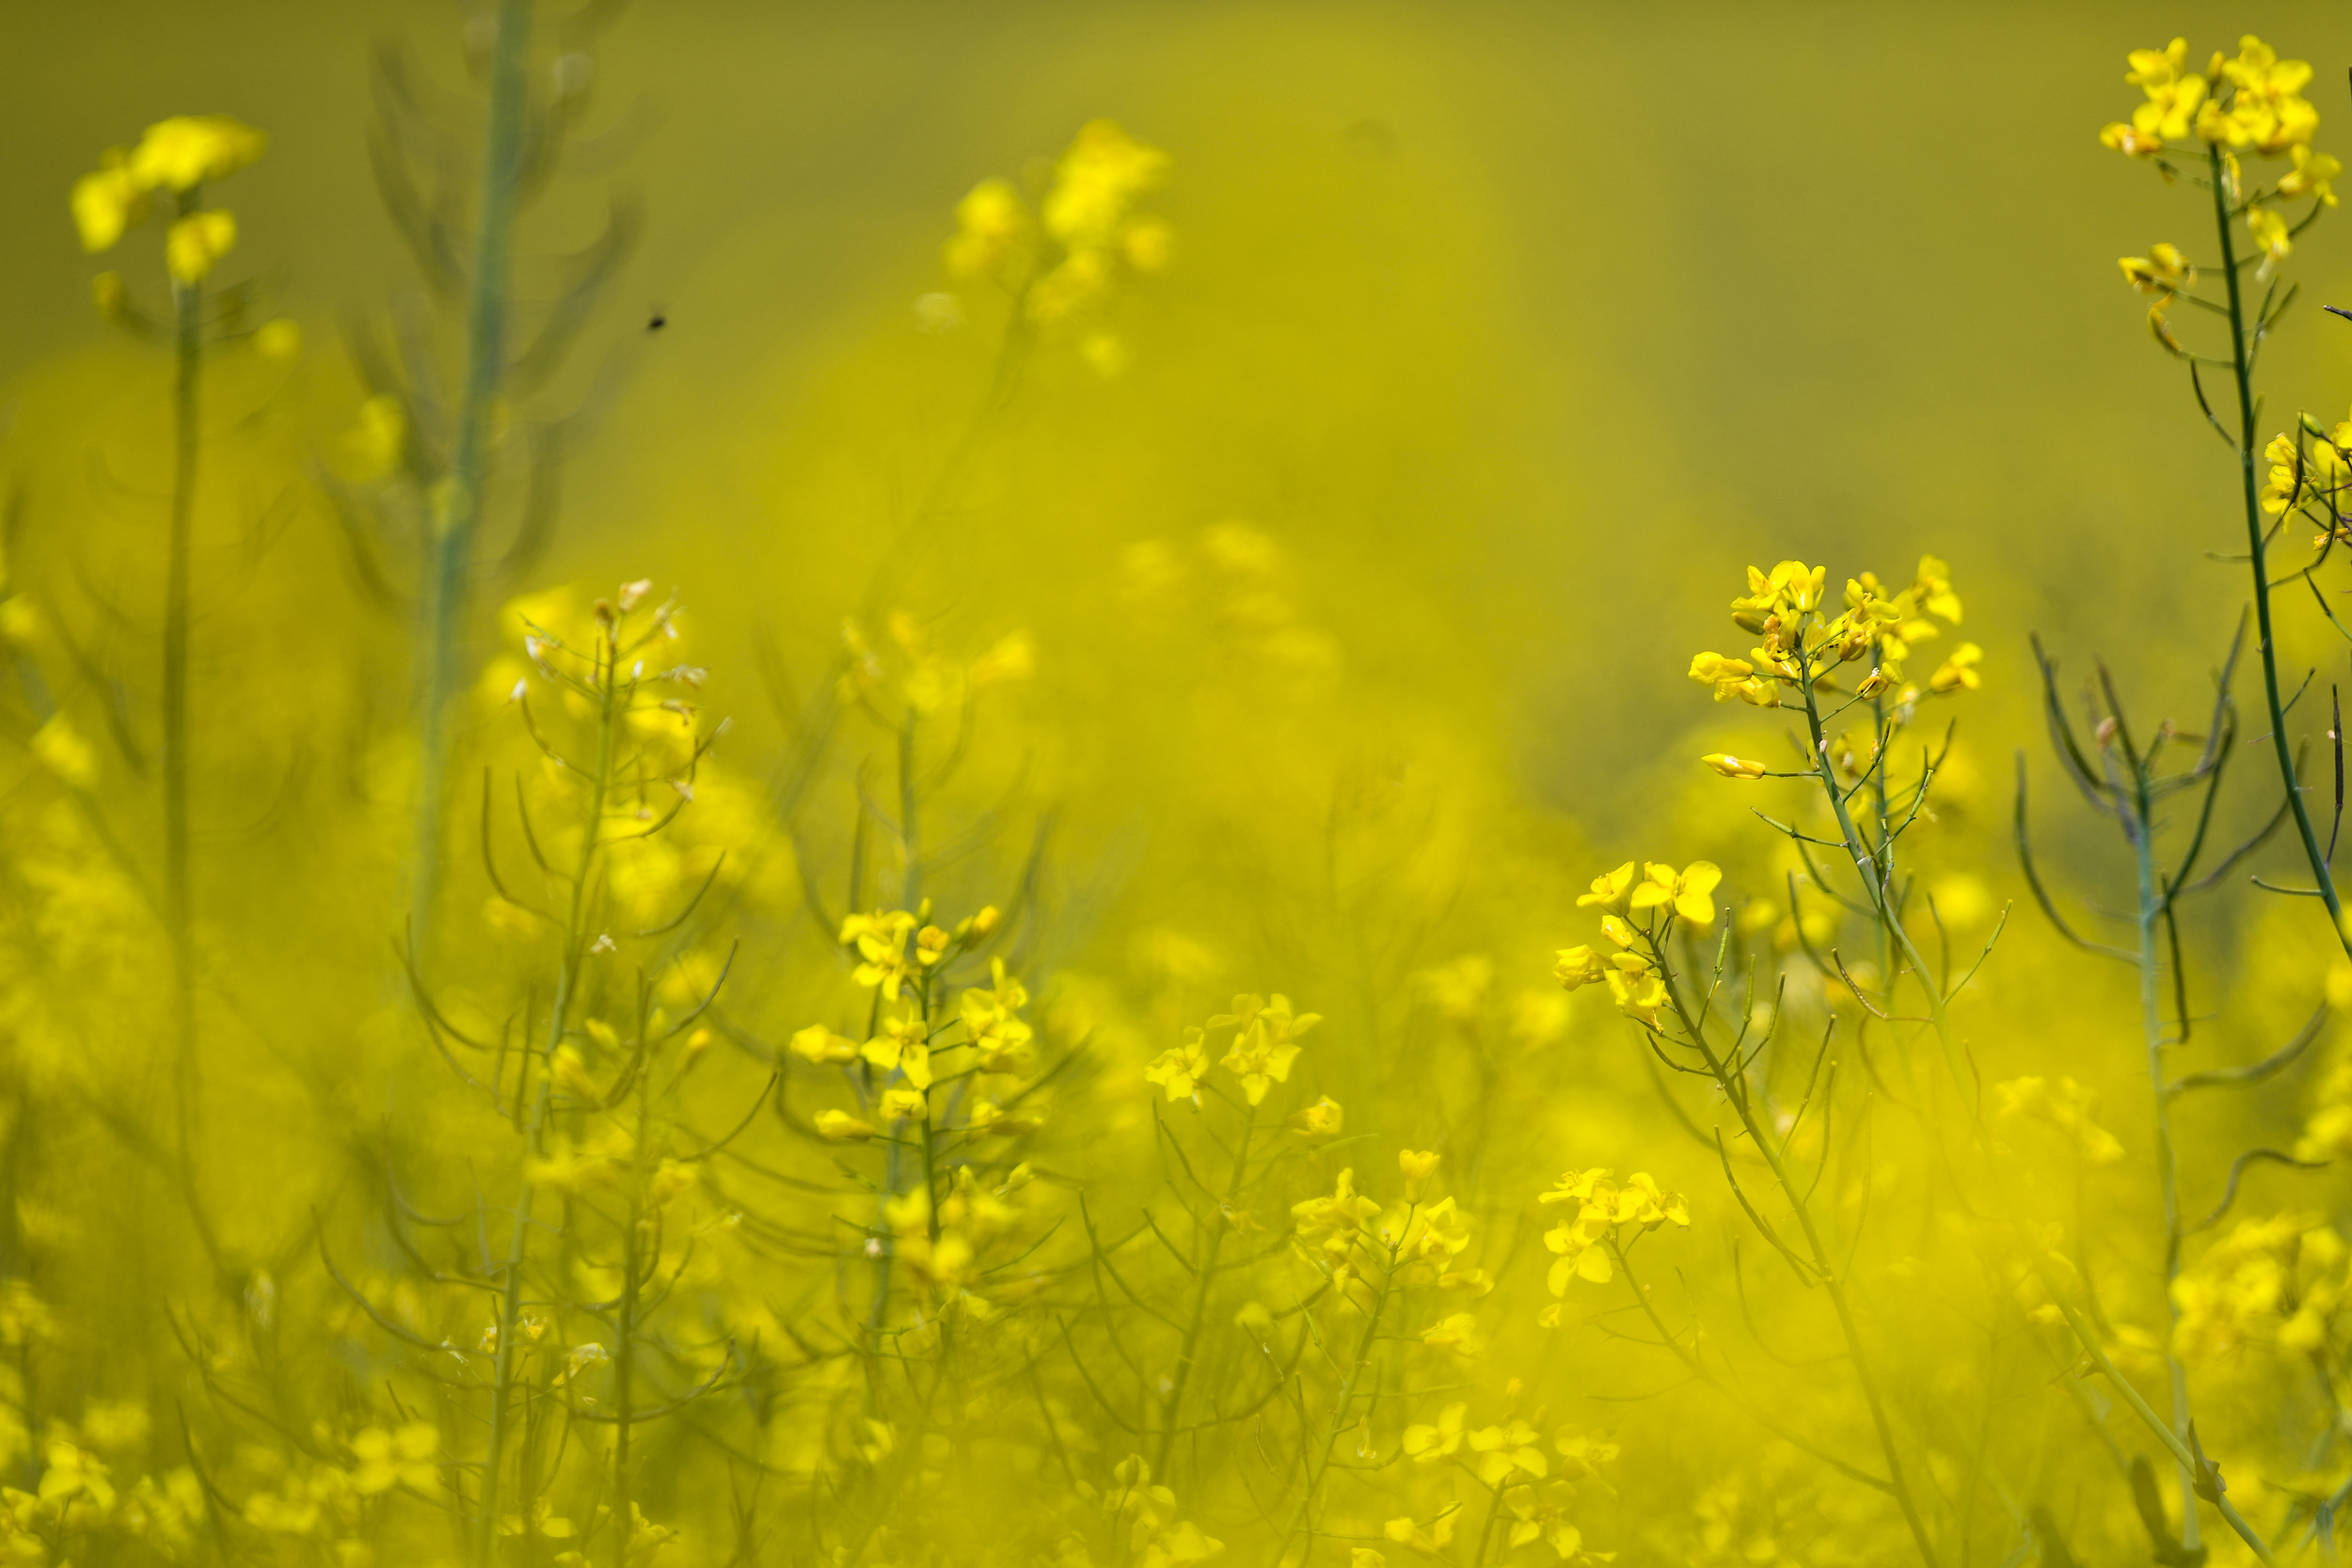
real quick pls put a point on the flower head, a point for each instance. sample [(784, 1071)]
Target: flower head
[(1179, 1069), (2270, 235), (1610, 890), (1688, 892), (2164, 271), (2313, 175), (1734, 768), (1266, 1041), (185, 150)]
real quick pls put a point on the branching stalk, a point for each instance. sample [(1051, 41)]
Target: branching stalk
[(456, 514)]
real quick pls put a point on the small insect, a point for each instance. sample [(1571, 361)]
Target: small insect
[(658, 321)]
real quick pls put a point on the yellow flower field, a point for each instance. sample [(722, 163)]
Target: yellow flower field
[(915, 787)]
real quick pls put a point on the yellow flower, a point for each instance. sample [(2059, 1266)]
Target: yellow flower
[(2163, 271), (1265, 1043), (842, 1127), (1422, 1542), (880, 939), (2286, 482), (1791, 586), (1457, 1333), (1959, 673), (1603, 1204), (1179, 1069), (1688, 892), (2270, 235), (106, 202), (1724, 674), (1095, 183), (280, 340), (2268, 112), (1418, 1166), (2311, 175), (900, 1049), (194, 243), (1609, 889), (1507, 1451), (64, 752), (374, 445), (991, 223), (2130, 140), (1426, 1444), (820, 1045), (187, 149), (571, 1073), (1580, 966), (2173, 93), (1734, 768), (1323, 1119), (1334, 1219), (1147, 244), (390, 1459), (1640, 992)]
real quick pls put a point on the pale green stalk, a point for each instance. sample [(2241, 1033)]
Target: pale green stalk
[(456, 514), (1190, 1349), (1321, 1465), (2241, 365), (1825, 1267), (559, 1014), (2153, 897), (624, 1350), (187, 299), (1963, 1078)]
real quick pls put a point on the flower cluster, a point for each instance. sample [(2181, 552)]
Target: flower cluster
[(1631, 971), (1265, 1044), (895, 1059), (1585, 1247), (1063, 262), (2278, 1281), (1145, 1517), (2252, 104), (1802, 646), (176, 156)]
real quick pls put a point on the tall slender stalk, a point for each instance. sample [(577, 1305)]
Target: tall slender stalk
[(456, 514), (1964, 1075), (187, 299), (1825, 1267), (614, 700), (2242, 368), (625, 1337), (2140, 826), (1321, 1463), (1191, 1346)]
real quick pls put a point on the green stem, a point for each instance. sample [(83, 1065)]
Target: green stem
[(2141, 829), (1730, 1391), (188, 357), (457, 513), (1824, 1265), (1322, 1465), (1867, 865), (2281, 748), (559, 1017), (1201, 1295), (624, 1352)]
